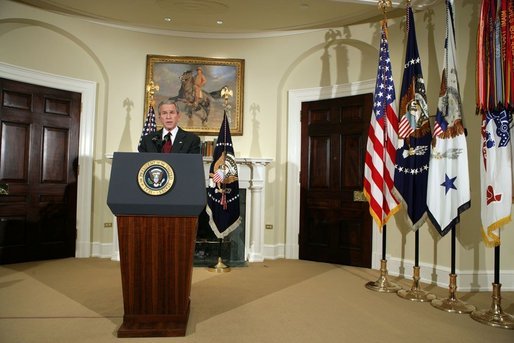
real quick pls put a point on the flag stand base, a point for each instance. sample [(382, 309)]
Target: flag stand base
[(415, 293), (495, 315), (452, 304), (219, 267), (383, 284)]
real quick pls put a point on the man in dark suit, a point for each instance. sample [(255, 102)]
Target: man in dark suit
[(170, 138)]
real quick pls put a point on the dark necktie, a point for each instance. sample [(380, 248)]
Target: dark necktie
[(167, 143)]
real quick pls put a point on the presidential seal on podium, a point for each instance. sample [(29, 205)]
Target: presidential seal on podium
[(156, 177)]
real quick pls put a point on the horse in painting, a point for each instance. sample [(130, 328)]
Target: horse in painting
[(186, 95)]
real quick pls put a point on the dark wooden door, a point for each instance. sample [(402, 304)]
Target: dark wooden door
[(335, 227), (38, 152)]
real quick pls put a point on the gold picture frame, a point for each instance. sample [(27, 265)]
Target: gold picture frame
[(201, 105)]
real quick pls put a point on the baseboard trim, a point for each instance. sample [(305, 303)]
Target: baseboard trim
[(274, 252), (467, 280), (102, 250)]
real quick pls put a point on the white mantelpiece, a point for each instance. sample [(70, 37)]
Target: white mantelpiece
[(252, 177)]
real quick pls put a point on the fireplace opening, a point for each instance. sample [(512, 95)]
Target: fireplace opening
[(232, 248)]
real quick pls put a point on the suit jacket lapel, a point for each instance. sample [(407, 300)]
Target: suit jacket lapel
[(179, 141), (157, 140)]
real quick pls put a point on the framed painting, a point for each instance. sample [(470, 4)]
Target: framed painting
[(202, 88)]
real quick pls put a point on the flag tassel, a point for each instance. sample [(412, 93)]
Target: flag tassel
[(224, 201)]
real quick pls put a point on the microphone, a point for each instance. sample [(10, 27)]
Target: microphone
[(159, 142)]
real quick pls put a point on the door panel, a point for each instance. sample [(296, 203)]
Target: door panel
[(333, 227), (39, 130), (16, 157), (54, 155)]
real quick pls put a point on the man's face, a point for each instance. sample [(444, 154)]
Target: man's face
[(169, 116)]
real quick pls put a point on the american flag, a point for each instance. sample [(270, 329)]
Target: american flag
[(405, 128), (149, 125), (382, 141), (413, 153), (439, 124), (218, 176)]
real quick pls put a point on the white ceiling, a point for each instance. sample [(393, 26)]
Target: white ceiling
[(238, 16)]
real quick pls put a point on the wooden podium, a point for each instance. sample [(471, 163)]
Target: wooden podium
[(157, 234)]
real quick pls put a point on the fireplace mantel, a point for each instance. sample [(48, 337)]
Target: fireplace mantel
[(252, 176)]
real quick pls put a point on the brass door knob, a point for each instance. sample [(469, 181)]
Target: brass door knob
[(4, 189), (358, 196)]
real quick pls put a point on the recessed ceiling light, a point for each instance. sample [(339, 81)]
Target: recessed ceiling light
[(219, 22), (168, 19)]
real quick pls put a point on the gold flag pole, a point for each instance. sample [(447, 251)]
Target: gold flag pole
[(383, 284), (221, 267), (384, 6), (495, 315), (151, 88), (416, 293), (452, 304)]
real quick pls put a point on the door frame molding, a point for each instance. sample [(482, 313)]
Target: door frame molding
[(295, 99), (86, 141)]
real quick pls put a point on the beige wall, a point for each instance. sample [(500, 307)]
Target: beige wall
[(115, 59)]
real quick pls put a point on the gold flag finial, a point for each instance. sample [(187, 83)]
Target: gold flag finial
[(151, 88), (225, 93), (384, 6)]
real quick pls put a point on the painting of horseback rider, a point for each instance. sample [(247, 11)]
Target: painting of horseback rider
[(195, 84)]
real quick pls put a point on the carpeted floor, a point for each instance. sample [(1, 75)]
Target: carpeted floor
[(80, 300)]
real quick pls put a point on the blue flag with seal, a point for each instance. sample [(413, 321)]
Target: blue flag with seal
[(414, 136), (223, 190)]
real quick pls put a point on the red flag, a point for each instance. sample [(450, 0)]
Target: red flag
[(382, 142)]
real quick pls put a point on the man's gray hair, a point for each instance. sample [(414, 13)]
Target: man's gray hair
[(168, 101)]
